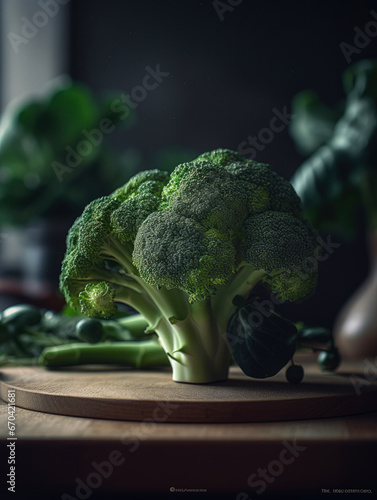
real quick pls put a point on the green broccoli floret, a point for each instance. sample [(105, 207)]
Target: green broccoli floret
[(183, 249), (282, 245), (97, 300), (188, 256)]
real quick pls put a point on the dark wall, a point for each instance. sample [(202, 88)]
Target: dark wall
[(226, 78)]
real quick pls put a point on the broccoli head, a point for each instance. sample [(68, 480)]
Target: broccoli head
[(180, 248)]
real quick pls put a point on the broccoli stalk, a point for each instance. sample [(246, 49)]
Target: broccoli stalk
[(191, 334), (181, 249)]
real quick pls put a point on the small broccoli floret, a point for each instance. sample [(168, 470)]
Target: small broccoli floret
[(222, 157), (75, 269), (183, 248), (275, 192), (95, 227), (139, 198), (135, 185), (97, 300), (282, 245)]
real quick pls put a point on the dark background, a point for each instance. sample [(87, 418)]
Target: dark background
[(226, 77)]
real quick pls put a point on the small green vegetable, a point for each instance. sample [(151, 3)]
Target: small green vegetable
[(17, 318), (315, 333), (294, 374), (329, 360), (261, 345), (90, 330), (139, 354)]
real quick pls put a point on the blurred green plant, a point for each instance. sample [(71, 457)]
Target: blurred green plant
[(29, 335), (36, 138), (340, 176), (336, 183)]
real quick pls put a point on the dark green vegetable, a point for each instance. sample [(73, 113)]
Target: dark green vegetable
[(329, 360), (315, 338), (60, 325), (17, 318), (315, 333), (93, 330), (294, 374), (261, 345), (320, 340), (90, 330)]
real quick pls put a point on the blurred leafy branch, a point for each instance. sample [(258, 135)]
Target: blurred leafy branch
[(38, 135), (340, 175)]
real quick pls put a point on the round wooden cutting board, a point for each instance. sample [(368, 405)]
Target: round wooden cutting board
[(123, 394)]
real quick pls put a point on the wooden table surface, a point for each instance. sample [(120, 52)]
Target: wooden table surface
[(65, 454)]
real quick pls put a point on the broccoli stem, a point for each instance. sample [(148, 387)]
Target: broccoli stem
[(138, 354), (202, 355), (195, 344), (141, 302), (201, 352), (193, 335), (203, 318)]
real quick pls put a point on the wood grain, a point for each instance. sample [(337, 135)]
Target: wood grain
[(121, 394)]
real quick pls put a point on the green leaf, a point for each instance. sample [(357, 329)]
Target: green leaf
[(329, 181), (261, 344), (313, 122)]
